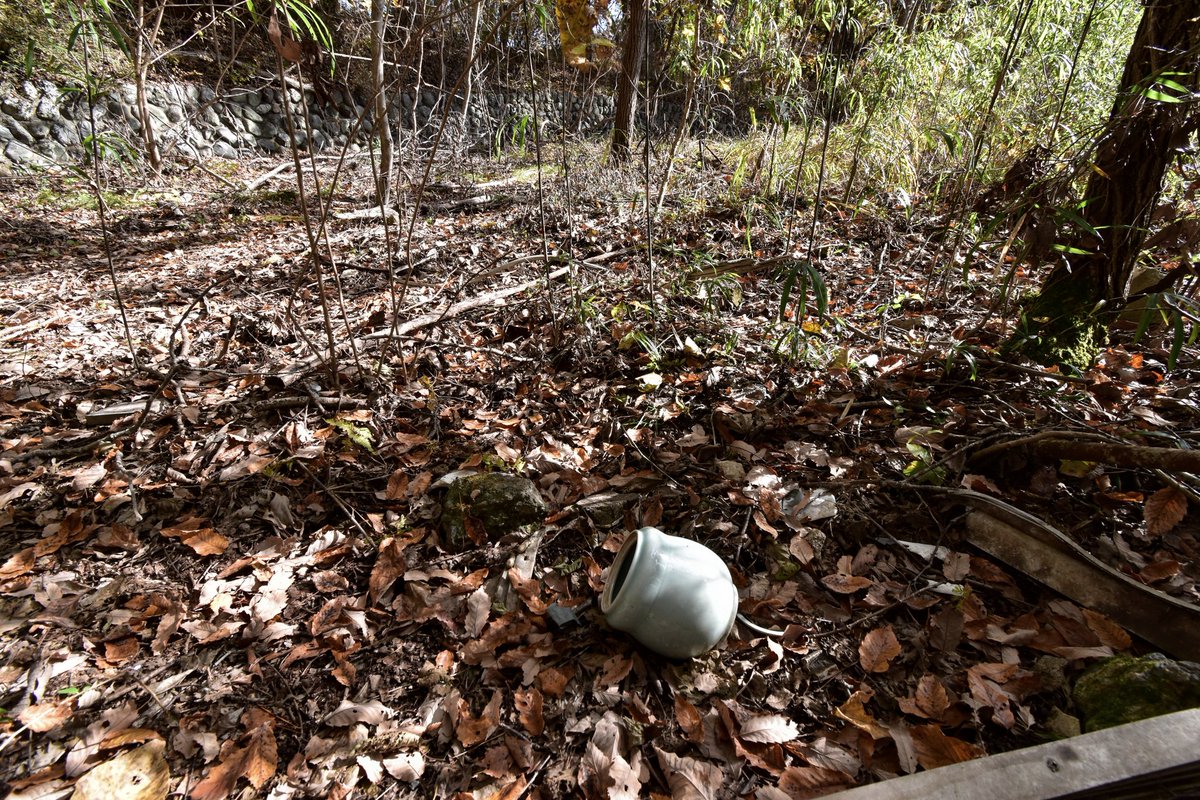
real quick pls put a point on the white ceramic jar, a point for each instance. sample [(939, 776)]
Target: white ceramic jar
[(672, 594)]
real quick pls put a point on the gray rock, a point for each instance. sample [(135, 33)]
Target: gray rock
[(223, 150), (228, 136), (211, 118), (5, 134), (175, 113), (55, 151), (1126, 689), (253, 128), (192, 92), (24, 156), (47, 109), (18, 108), (484, 507), (265, 108), (607, 509), (64, 135), (268, 145), (429, 98), (406, 101), (18, 132), (37, 129)]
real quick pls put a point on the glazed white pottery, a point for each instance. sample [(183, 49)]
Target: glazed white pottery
[(673, 595)]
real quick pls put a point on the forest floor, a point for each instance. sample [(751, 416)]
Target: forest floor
[(240, 567)]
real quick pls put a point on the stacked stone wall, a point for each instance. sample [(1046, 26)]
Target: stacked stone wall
[(43, 125)]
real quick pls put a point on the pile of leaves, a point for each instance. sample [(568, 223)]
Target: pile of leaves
[(239, 586)]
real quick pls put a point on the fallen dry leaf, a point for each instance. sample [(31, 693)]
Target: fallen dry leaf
[(690, 778), (44, 717), (689, 719), (854, 711), (768, 728), (406, 766), (956, 566), (1159, 571), (878, 648), (512, 791), (140, 774), (801, 783), (389, 565), (473, 730), (1108, 632), (256, 761), (985, 689), (1165, 509), (936, 749), (553, 681), (529, 710), (846, 584), (625, 777), (194, 533), (348, 713), (930, 699)]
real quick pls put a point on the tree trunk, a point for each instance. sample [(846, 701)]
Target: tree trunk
[(472, 45), (1063, 323), (631, 69), (143, 36), (383, 125)]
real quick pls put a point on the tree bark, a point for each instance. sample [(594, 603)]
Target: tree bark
[(383, 125), (472, 45), (1139, 144), (145, 36), (631, 70)]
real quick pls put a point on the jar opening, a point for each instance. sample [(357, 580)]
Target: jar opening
[(626, 560)]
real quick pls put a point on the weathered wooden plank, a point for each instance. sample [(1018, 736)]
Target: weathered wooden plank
[(1148, 755)]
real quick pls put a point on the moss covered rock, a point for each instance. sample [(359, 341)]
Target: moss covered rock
[(1125, 689), (483, 507)]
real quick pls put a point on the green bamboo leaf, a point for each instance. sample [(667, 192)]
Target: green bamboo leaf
[(1147, 315), (1157, 96), (1080, 221), (1075, 251), (1177, 343)]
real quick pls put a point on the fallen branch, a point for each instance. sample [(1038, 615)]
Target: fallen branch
[(741, 266), (1049, 556), (1059, 446), (425, 320), (18, 331)]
